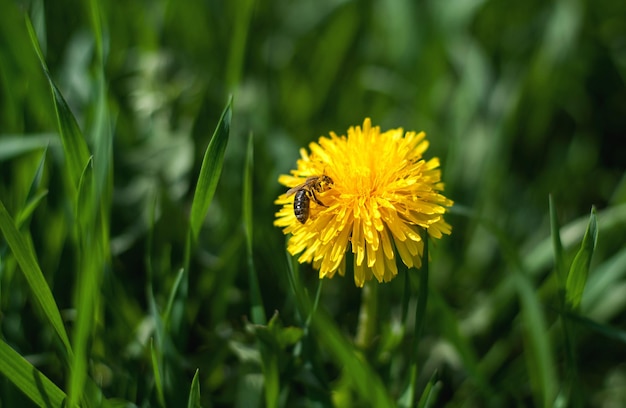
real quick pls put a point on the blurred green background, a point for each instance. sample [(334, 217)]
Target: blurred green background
[(519, 100)]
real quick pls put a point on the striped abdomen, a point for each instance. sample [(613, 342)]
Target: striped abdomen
[(301, 203)]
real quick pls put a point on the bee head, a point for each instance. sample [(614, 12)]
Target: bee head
[(326, 182)]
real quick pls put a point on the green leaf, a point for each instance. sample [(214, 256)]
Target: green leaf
[(30, 268), (28, 379), (293, 275), (579, 271), (257, 310), (237, 49), (555, 228), (422, 297), (541, 256), (271, 376), (30, 207), (429, 396), (194, 392), (96, 23), (275, 335), (420, 314), (407, 398), (248, 192), (210, 171), (606, 330), (157, 374), (34, 194), (365, 380), (449, 325), (539, 354), (85, 204), (569, 338), (12, 146), (170, 302), (86, 294), (101, 130), (74, 145)]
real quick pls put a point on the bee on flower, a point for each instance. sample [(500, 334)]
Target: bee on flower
[(370, 192)]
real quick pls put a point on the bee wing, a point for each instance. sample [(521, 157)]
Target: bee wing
[(294, 189), (307, 182)]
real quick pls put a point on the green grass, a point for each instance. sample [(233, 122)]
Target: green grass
[(140, 146)]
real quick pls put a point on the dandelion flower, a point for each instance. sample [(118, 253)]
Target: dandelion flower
[(377, 196)]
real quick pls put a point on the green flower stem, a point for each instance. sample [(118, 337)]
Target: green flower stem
[(367, 315)]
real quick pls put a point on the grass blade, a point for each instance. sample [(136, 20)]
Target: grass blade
[(237, 49), (271, 376), (555, 228), (36, 281), (30, 207), (194, 392), (28, 379), (610, 219), (451, 331), (569, 339), (429, 396), (87, 294), (96, 26), (170, 302), (408, 395), (606, 330), (257, 310), (539, 355), (210, 171), (74, 145), (157, 374), (293, 275), (579, 271), (420, 308), (12, 146), (34, 195), (366, 382)]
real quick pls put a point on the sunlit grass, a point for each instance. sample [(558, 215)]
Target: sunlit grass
[(140, 147)]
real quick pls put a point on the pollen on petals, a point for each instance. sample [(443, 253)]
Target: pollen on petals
[(384, 196)]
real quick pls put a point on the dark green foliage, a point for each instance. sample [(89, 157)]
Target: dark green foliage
[(140, 146)]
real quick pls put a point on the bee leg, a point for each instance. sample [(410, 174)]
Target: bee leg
[(317, 200)]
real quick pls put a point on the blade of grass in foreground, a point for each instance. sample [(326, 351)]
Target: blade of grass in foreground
[(577, 277), (36, 281), (194, 392), (449, 325), (268, 356), (539, 355), (365, 381), (12, 146), (157, 374), (555, 228), (74, 145), (611, 220), (237, 47), (28, 379), (300, 294), (257, 311), (34, 196), (408, 396), (172, 297), (429, 396), (210, 171), (570, 387), (86, 294)]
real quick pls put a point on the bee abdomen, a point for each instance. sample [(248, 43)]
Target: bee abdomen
[(301, 206)]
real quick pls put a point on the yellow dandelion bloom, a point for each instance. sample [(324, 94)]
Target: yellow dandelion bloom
[(368, 192)]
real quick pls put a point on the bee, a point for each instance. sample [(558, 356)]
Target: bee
[(305, 192)]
